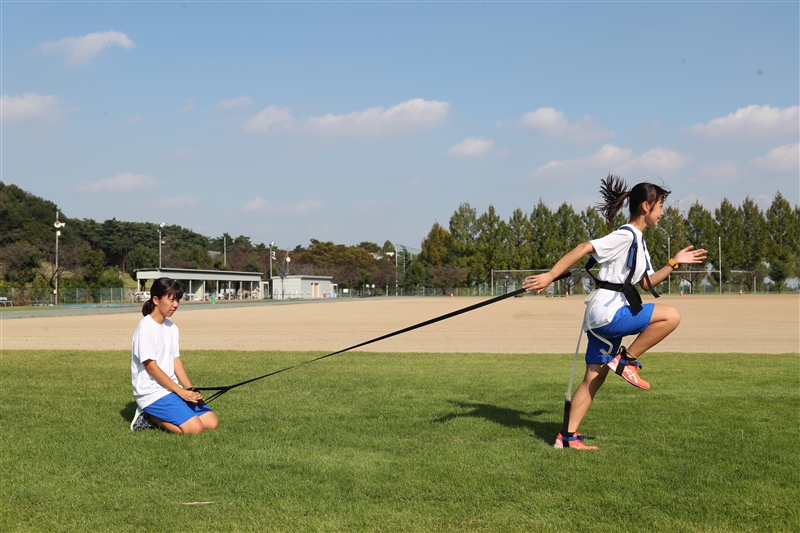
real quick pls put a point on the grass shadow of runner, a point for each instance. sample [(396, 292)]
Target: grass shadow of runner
[(512, 418)]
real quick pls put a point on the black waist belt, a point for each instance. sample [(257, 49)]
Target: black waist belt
[(630, 292)]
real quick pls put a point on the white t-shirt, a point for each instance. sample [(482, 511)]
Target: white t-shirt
[(158, 342), (611, 252)]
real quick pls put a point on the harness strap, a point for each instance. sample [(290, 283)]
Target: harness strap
[(627, 288)]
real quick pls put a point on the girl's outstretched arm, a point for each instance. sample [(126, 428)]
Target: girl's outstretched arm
[(540, 282), (687, 256)]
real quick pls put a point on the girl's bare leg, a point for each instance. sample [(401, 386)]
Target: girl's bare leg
[(193, 426), (582, 399), (663, 322), (209, 420)]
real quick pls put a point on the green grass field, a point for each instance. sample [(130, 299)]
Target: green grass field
[(399, 442)]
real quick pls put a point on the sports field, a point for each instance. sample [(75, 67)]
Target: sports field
[(447, 429)]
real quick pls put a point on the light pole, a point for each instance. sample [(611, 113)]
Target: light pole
[(271, 257), (669, 278), (395, 267), (160, 242), (58, 225)]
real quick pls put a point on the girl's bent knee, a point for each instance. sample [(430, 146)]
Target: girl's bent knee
[(209, 421), (193, 426), (674, 316)]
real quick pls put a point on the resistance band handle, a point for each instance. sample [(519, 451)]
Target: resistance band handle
[(200, 402)]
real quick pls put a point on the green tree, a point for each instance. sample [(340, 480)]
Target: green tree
[(464, 231), (782, 239), (435, 252), (142, 257), (519, 241), (702, 234), (593, 224), (573, 232), (93, 263), (729, 226), (493, 233), (545, 235), (754, 226), (20, 262)]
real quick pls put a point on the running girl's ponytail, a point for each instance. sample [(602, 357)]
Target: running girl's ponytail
[(615, 193), (162, 287)]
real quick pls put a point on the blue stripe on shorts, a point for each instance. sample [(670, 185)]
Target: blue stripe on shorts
[(623, 324), (173, 409)]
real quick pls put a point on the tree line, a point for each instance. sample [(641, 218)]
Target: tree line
[(754, 243), (96, 254)]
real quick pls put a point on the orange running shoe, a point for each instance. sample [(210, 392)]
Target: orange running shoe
[(575, 442), (629, 371)]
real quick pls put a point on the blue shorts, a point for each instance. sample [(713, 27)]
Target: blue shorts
[(624, 323), (173, 409)]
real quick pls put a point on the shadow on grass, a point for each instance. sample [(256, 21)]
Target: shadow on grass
[(512, 418), (127, 412)]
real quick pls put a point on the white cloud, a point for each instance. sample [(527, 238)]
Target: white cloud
[(29, 106), (751, 123), (121, 183), (412, 114), (259, 205), (717, 172), (472, 147), (608, 157), (81, 50), (782, 159), (548, 121), (189, 105), (242, 101), (658, 161), (269, 119)]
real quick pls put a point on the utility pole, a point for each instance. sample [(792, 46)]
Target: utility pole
[(58, 225), (271, 257), (160, 242)]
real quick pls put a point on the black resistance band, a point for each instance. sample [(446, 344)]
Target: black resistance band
[(222, 390)]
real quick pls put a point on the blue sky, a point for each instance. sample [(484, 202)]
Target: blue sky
[(358, 122)]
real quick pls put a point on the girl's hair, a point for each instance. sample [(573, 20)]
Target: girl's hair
[(162, 287), (615, 193)]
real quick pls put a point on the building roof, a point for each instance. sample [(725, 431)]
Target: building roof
[(197, 275)]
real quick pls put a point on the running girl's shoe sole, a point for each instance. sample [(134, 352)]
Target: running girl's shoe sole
[(629, 373)]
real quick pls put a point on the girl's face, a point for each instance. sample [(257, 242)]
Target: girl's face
[(655, 212), (166, 305)]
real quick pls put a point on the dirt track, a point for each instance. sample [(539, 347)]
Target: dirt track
[(745, 324)]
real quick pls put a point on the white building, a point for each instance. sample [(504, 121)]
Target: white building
[(208, 284), (303, 287)]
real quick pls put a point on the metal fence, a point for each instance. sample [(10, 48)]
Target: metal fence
[(72, 295)]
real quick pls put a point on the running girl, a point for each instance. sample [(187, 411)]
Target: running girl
[(615, 309), (157, 372)]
